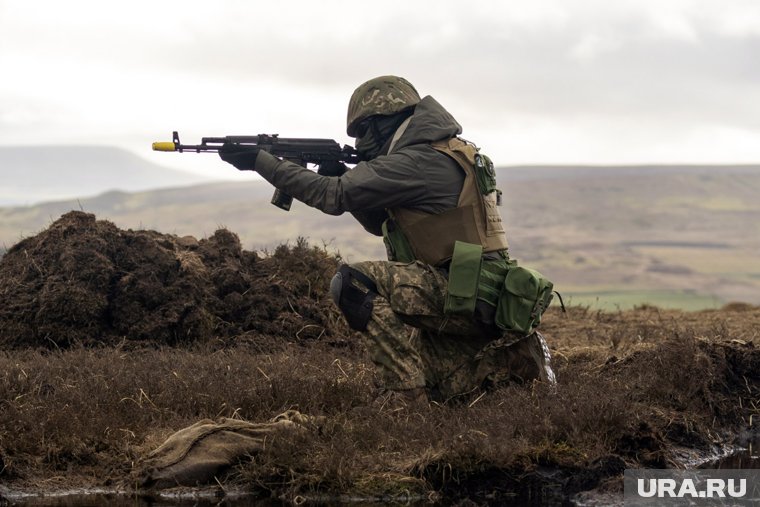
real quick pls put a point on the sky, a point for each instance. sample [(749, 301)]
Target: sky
[(531, 82)]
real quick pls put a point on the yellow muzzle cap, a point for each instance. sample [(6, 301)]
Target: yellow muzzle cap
[(164, 146)]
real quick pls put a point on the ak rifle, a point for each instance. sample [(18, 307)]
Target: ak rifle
[(325, 153)]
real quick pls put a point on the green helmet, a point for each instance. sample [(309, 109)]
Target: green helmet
[(384, 95)]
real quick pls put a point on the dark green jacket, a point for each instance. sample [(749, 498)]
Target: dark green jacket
[(413, 175)]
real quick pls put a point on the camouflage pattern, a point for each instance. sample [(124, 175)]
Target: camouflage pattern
[(384, 95), (414, 345)]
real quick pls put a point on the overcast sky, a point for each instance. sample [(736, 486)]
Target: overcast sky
[(565, 81)]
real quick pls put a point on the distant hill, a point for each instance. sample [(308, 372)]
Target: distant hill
[(33, 174), (683, 236)]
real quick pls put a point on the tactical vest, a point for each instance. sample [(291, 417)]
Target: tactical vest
[(463, 235), (430, 238)]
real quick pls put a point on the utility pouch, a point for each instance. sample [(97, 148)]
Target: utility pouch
[(485, 174), (527, 293), (464, 273), (396, 244)]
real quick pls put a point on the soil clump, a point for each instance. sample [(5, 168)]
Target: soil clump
[(84, 281)]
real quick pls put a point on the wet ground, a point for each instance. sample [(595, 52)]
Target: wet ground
[(100, 498), (741, 458), (745, 457)]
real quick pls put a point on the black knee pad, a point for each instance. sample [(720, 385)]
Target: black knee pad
[(355, 302)]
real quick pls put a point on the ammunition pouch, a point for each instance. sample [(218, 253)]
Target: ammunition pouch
[(464, 274), (520, 295), (525, 297)]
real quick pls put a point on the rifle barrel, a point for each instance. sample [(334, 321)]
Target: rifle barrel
[(305, 150)]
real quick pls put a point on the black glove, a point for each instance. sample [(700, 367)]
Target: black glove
[(332, 168), (242, 157)]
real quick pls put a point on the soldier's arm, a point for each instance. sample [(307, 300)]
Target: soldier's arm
[(371, 219), (384, 182)]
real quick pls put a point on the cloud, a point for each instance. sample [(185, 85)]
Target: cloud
[(655, 73)]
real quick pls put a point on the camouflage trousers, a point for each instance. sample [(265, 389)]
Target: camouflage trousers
[(415, 345)]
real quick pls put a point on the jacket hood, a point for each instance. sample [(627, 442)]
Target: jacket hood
[(430, 122)]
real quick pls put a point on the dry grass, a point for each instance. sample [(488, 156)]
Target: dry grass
[(633, 387)]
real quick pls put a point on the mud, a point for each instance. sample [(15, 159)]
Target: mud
[(110, 340), (84, 281)]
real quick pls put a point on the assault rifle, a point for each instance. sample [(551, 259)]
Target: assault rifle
[(326, 153)]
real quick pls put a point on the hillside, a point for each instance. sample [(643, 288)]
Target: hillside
[(34, 174), (680, 236)]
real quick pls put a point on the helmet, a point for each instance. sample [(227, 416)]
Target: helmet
[(384, 95)]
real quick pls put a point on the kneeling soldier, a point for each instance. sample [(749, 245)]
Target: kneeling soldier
[(437, 315)]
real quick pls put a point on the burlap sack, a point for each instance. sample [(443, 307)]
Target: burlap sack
[(197, 454)]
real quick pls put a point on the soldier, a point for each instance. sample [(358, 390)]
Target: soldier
[(429, 313)]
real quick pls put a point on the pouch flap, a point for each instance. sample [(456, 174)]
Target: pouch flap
[(465, 269), (464, 273), (522, 282)]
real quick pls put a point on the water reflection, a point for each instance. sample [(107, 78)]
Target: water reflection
[(747, 458), (98, 499)]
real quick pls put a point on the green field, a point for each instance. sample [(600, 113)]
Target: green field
[(626, 300)]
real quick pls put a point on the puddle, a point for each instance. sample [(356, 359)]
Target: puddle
[(746, 457), (99, 497)]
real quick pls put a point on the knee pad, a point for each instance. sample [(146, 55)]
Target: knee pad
[(355, 302)]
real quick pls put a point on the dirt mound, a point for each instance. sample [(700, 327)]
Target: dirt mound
[(86, 281)]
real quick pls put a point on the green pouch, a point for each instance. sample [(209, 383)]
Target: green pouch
[(485, 174), (527, 293), (464, 273), (396, 245)]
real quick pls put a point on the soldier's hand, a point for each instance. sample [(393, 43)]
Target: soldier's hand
[(332, 168), (243, 157)]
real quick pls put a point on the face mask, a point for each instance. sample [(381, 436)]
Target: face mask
[(378, 132), (369, 145)]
